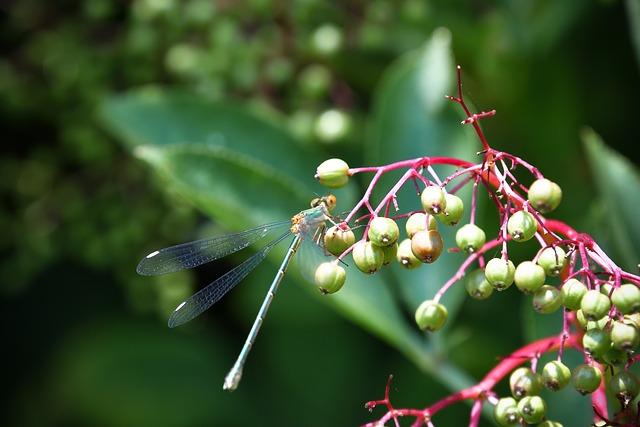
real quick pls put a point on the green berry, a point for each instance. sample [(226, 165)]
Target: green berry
[(556, 375), (383, 231), (332, 126), (552, 259), (420, 221), (524, 382), (596, 342), (606, 289), (624, 386), (427, 245), (499, 273), (338, 238), (506, 412), (626, 299), (522, 226), (367, 257), (333, 173), (433, 199), (470, 238), (529, 277), (572, 292), (330, 277), (544, 195), (615, 357), (477, 285), (453, 211), (532, 409), (390, 253), (633, 319), (594, 305), (590, 324), (586, 378), (405, 255), (624, 336), (547, 299), (327, 40), (431, 316), (549, 423)]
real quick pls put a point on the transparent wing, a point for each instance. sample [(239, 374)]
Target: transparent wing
[(312, 253), (209, 295), (193, 254)]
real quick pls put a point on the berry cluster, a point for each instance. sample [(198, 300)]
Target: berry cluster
[(601, 314)]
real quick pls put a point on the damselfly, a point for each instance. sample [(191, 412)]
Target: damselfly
[(306, 226)]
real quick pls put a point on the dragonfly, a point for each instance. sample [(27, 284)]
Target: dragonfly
[(307, 228)]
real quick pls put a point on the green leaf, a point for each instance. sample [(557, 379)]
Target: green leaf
[(617, 183), (243, 171)]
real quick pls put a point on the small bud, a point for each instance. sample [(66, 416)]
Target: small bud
[(552, 259), (420, 221), (529, 277), (499, 273), (383, 231), (572, 292), (470, 238), (624, 386), (477, 285), (506, 412), (596, 342), (330, 277), (522, 226), (333, 173), (547, 299), (431, 316), (433, 199), (405, 255), (532, 409), (453, 211), (367, 257), (594, 305), (556, 375), (626, 299), (544, 195), (389, 253), (337, 239), (586, 378), (524, 382), (624, 336), (427, 245)]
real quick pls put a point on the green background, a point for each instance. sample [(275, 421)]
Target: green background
[(129, 126)]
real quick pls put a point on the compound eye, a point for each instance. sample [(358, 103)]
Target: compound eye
[(330, 200)]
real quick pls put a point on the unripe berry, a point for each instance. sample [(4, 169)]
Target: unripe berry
[(624, 385), (544, 195), (427, 245), (453, 211), (433, 199), (626, 299), (624, 336), (586, 378), (529, 277), (606, 289), (615, 357), (367, 257), (431, 316), (499, 273), (532, 409), (594, 305), (470, 238), (506, 412), (552, 259), (524, 382), (572, 292), (596, 342), (522, 226), (547, 299), (549, 423), (389, 253), (383, 231), (477, 285), (633, 319), (330, 277), (405, 255), (591, 324), (333, 173), (556, 375), (420, 221), (337, 239)]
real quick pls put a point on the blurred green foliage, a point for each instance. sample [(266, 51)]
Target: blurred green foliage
[(242, 100)]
